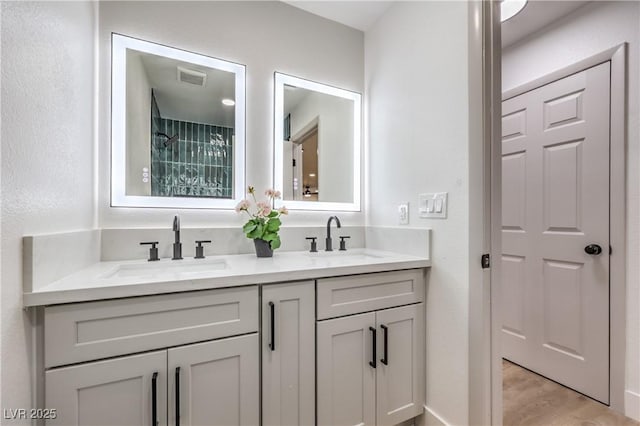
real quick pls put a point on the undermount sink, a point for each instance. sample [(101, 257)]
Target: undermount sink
[(153, 269)]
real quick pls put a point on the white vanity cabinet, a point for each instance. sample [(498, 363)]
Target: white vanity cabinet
[(288, 354), (346, 350), (117, 391), (214, 382), (371, 364)]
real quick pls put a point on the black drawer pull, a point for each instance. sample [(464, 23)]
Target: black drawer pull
[(373, 347), (177, 396), (272, 343), (154, 399), (385, 356)]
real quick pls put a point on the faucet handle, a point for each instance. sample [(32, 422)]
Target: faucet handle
[(314, 245), (343, 243), (153, 250), (200, 248)]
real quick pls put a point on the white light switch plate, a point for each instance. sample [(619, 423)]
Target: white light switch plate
[(433, 205), (403, 214)]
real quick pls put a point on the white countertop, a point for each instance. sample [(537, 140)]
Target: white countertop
[(110, 280)]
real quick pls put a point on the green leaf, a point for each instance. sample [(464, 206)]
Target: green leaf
[(248, 227), (257, 232), (275, 243), (274, 213), (269, 236), (274, 224)]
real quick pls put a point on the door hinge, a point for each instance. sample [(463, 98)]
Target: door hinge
[(294, 162), (486, 261)]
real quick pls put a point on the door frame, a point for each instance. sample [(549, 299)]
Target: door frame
[(617, 226)]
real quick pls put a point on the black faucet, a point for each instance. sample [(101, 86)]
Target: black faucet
[(328, 239), (177, 245)]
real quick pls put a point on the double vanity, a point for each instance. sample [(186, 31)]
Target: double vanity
[(161, 334), (327, 338)]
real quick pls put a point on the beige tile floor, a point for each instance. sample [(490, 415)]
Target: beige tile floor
[(530, 399)]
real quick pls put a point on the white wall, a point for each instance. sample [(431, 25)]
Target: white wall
[(266, 37), (47, 153), (335, 142), (139, 128), (418, 114), (589, 30)]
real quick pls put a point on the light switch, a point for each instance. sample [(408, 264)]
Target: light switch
[(433, 205), (438, 205)]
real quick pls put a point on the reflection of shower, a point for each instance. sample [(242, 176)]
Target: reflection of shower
[(170, 139)]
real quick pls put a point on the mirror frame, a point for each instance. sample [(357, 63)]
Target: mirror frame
[(119, 197), (278, 175)]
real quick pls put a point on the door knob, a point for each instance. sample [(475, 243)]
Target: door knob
[(593, 249)]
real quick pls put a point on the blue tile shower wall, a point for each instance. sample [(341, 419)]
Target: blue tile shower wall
[(198, 164)]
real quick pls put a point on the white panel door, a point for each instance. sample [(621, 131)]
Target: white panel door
[(555, 296), (346, 378), (118, 391), (288, 354), (400, 377), (215, 383)]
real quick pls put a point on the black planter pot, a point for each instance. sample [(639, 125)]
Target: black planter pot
[(263, 248)]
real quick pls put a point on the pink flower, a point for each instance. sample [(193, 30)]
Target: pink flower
[(263, 209), (272, 193), (283, 210), (242, 205)]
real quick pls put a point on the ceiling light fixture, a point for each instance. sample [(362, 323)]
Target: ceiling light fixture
[(228, 102), (510, 8)]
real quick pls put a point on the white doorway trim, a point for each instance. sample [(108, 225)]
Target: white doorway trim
[(617, 227)]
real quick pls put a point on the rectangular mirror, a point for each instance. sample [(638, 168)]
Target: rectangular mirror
[(317, 145), (177, 127)]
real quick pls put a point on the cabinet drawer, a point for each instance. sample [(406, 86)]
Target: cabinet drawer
[(86, 331), (361, 293)]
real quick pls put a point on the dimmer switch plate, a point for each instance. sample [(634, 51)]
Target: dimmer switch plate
[(433, 205)]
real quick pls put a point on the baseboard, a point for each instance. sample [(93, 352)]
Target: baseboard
[(430, 418), (632, 405)]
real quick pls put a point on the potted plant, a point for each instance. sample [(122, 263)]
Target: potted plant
[(264, 222)]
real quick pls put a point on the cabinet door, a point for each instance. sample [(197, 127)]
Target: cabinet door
[(346, 380), (400, 380), (113, 392), (288, 354), (215, 383)]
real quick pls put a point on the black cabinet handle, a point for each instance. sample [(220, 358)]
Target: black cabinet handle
[(385, 357), (373, 347), (154, 399), (272, 343), (177, 396)]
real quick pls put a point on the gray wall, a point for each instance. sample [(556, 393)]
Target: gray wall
[(47, 153), (264, 36), (419, 120)]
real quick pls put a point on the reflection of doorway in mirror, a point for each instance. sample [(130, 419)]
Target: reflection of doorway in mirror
[(305, 166)]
